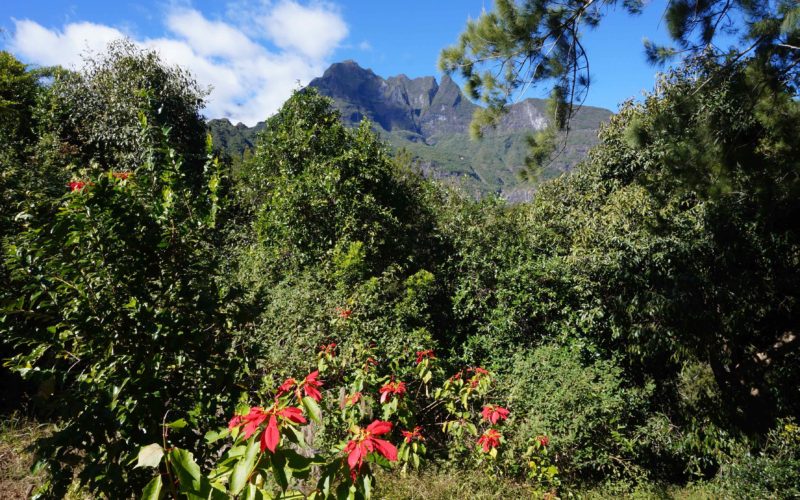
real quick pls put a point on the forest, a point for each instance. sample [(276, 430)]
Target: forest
[(319, 320)]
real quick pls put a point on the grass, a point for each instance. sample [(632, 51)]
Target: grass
[(17, 434), (448, 484), (17, 479)]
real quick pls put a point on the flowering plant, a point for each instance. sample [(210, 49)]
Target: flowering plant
[(269, 455)]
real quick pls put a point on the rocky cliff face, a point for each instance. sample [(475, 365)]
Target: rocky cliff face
[(419, 106), (431, 120), (425, 107)]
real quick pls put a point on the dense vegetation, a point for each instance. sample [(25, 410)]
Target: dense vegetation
[(633, 327)]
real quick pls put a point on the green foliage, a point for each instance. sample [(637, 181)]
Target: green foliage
[(521, 44), (321, 185), (92, 119), (707, 224), (118, 316), (596, 440), (770, 472), (338, 224), (638, 314), (18, 91)]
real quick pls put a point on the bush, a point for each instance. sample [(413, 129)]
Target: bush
[(338, 225), (91, 119), (118, 316), (582, 404), (770, 472)]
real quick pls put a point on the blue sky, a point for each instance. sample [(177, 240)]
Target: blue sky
[(254, 52)]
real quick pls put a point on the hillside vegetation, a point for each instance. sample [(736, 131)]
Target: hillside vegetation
[(430, 120), (319, 320)]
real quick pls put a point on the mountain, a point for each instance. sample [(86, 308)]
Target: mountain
[(431, 119)]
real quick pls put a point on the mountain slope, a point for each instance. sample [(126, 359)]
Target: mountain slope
[(431, 120)]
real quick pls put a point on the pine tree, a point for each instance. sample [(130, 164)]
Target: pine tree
[(520, 44)]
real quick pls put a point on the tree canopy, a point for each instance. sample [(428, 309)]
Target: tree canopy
[(520, 44)]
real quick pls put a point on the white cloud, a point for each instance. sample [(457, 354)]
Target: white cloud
[(210, 38), (313, 31), (39, 45), (249, 80)]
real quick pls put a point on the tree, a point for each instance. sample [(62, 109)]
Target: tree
[(20, 183), (117, 315), (92, 119), (19, 88), (113, 300), (318, 187), (521, 44), (683, 225)]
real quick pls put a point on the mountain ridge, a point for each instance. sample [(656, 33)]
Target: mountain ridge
[(430, 118)]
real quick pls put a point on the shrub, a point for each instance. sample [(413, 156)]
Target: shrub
[(91, 119), (582, 404), (119, 316), (769, 472), (276, 451)]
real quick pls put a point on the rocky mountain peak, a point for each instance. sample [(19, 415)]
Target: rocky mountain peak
[(431, 119)]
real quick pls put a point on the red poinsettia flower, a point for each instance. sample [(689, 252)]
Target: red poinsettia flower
[(352, 399), (343, 313), (494, 413), (489, 440), (121, 175), (76, 186), (413, 434), (311, 386), (364, 443), (253, 420), (236, 421), (425, 354), (455, 377), (329, 349), (271, 435), (286, 386), (543, 440), (392, 388), (479, 373)]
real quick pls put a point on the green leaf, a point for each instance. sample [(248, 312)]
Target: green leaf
[(177, 424), (150, 455), (253, 492), (243, 469), (313, 409), (279, 470), (327, 477), (296, 436), (153, 489), (214, 436), (186, 469), (367, 487)]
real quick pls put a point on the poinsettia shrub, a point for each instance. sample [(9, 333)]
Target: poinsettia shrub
[(322, 435)]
